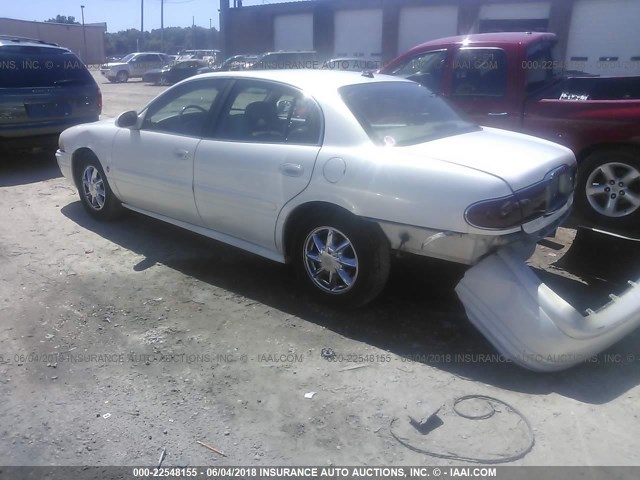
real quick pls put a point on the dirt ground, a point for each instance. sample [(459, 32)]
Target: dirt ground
[(118, 340)]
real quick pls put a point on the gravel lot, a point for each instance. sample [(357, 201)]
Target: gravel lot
[(118, 340)]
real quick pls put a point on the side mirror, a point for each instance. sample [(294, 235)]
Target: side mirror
[(127, 119)]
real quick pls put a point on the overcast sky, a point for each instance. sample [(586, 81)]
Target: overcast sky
[(121, 14)]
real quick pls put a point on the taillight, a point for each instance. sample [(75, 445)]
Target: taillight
[(495, 214), (542, 198), (99, 101)]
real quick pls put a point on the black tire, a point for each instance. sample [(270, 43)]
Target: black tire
[(594, 173), (368, 246), (122, 76), (107, 209)]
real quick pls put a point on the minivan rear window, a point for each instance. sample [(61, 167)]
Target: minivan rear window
[(24, 66)]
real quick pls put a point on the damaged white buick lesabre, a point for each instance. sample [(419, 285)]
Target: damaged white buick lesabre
[(332, 171)]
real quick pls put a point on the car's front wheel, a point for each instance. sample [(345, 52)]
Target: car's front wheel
[(342, 260), (609, 188), (122, 76), (95, 193)]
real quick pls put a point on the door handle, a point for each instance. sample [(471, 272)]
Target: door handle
[(291, 169), (497, 114), (181, 154)]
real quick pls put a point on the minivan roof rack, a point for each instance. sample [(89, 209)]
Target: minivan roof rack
[(15, 38)]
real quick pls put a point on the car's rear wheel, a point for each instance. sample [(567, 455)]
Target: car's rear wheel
[(95, 193), (609, 188), (122, 76), (341, 260)]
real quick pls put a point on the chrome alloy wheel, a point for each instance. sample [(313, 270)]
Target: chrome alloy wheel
[(330, 260), (613, 189), (93, 187)]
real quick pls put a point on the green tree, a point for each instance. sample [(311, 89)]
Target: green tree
[(71, 20), (171, 41)]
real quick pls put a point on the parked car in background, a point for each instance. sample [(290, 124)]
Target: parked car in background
[(133, 65), (286, 60), (211, 57), (44, 89), (174, 72), (512, 81), (331, 171), (238, 62)]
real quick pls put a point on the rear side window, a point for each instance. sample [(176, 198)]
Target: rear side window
[(479, 72), (32, 66), (265, 112)]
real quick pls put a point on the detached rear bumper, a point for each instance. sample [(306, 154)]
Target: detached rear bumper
[(530, 324)]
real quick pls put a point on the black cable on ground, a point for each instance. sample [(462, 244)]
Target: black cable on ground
[(452, 456)]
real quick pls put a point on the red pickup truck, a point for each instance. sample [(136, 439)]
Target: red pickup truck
[(511, 81)]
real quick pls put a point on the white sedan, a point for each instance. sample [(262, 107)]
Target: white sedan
[(333, 171)]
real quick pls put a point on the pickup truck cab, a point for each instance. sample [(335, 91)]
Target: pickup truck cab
[(134, 65), (512, 81)]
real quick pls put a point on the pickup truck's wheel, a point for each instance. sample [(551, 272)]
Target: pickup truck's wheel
[(95, 193), (341, 260), (122, 76), (609, 188)]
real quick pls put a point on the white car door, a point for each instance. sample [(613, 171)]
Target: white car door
[(152, 167), (261, 155)]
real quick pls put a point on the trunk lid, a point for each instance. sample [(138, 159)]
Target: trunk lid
[(520, 160)]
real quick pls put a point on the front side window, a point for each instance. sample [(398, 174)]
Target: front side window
[(425, 68), (479, 72), (267, 112), (403, 113), (184, 110)]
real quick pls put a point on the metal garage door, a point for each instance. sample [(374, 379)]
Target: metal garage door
[(358, 33), (421, 24), (514, 17), (293, 32), (604, 37)]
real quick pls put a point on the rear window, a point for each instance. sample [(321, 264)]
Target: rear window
[(31, 66), (403, 113)]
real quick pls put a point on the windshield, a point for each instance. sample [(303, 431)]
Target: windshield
[(126, 58), (403, 113), (41, 67)]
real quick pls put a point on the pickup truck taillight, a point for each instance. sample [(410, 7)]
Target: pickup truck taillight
[(529, 203), (99, 97)]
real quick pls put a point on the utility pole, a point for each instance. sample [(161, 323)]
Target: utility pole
[(162, 25), (84, 36), (141, 25), (224, 12)]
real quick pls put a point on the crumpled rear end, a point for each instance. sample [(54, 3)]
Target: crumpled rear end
[(533, 326)]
